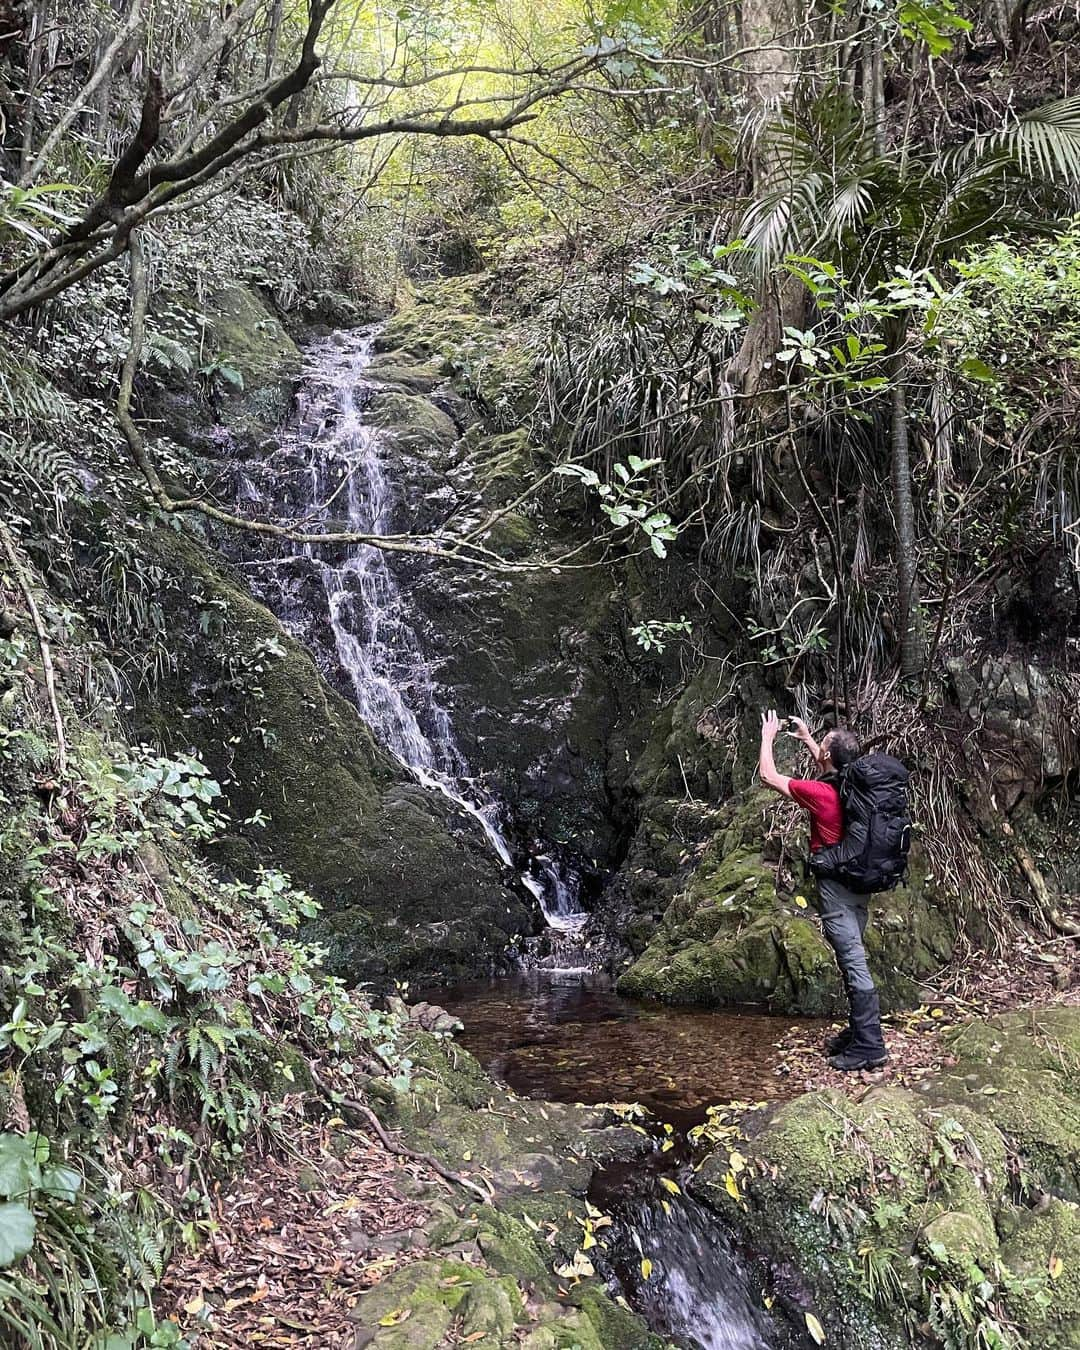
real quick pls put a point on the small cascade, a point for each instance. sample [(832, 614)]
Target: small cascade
[(697, 1291), (330, 472), (677, 1266)]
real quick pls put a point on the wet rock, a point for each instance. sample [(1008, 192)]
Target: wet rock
[(408, 885), (1020, 712), (886, 1204)]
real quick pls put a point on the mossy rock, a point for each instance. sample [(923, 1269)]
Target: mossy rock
[(408, 883), (1041, 1248), (249, 364), (411, 420), (923, 1185), (729, 936)]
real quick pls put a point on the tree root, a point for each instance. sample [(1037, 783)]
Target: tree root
[(375, 1126), (1063, 923)]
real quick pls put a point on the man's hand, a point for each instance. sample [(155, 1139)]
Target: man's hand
[(802, 733), (770, 725)]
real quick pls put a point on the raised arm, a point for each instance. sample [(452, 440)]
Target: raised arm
[(770, 725), (802, 733)]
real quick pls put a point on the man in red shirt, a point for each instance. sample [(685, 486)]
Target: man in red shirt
[(843, 913)]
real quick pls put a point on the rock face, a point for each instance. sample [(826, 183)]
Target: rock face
[(929, 1213), (1026, 719), (409, 885)]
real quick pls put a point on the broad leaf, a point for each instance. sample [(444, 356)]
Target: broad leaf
[(16, 1233)]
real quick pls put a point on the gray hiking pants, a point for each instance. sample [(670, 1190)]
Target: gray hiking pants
[(843, 917)]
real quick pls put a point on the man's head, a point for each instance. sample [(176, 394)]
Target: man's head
[(838, 747)]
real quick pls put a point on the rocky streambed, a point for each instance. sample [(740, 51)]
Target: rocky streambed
[(886, 1218)]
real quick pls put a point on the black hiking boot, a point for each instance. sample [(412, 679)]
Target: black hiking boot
[(836, 1045), (866, 1047)]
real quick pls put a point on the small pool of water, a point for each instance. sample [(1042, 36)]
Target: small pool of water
[(571, 1038)]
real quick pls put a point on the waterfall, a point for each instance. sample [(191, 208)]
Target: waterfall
[(331, 468), (677, 1265), (697, 1290)]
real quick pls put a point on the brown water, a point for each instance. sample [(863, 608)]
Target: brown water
[(571, 1038)]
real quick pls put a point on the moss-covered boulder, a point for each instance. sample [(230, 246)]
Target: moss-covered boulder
[(948, 1211), (409, 885), (224, 360), (512, 1271), (734, 934)]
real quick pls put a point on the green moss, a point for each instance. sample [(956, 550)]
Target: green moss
[(728, 936), (1046, 1305), (411, 420)]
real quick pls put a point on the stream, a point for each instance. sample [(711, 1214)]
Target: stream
[(571, 1038), (562, 1033)]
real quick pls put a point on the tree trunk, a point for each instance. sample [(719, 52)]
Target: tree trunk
[(769, 38), (910, 642)]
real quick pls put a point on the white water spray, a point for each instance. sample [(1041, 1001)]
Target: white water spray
[(376, 643)]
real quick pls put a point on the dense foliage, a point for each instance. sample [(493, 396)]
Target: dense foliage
[(777, 313)]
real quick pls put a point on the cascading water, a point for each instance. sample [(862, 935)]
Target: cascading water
[(697, 1292), (330, 468)]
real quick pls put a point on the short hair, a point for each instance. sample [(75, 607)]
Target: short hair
[(843, 747)]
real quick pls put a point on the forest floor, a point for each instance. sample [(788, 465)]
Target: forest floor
[(297, 1240)]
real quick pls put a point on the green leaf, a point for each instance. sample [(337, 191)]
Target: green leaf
[(16, 1233), (20, 1172), (977, 370), (63, 1182)]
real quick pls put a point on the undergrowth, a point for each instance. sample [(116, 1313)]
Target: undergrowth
[(157, 1022)]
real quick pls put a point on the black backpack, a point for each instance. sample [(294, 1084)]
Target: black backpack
[(872, 855)]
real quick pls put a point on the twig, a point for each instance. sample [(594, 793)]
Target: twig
[(367, 1115), (43, 646)]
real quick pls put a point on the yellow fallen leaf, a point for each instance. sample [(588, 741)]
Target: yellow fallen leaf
[(936, 1012), (671, 1186), (646, 1267), (666, 1145), (587, 1241), (1057, 1266), (467, 1155), (577, 1268), (800, 900), (392, 1319), (736, 1161), (732, 1186), (768, 1300), (666, 1206), (531, 1223), (335, 1120), (816, 1330), (195, 1307)]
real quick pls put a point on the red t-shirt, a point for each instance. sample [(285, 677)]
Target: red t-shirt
[(822, 801)]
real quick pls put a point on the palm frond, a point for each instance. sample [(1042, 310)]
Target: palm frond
[(1045, 143)]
